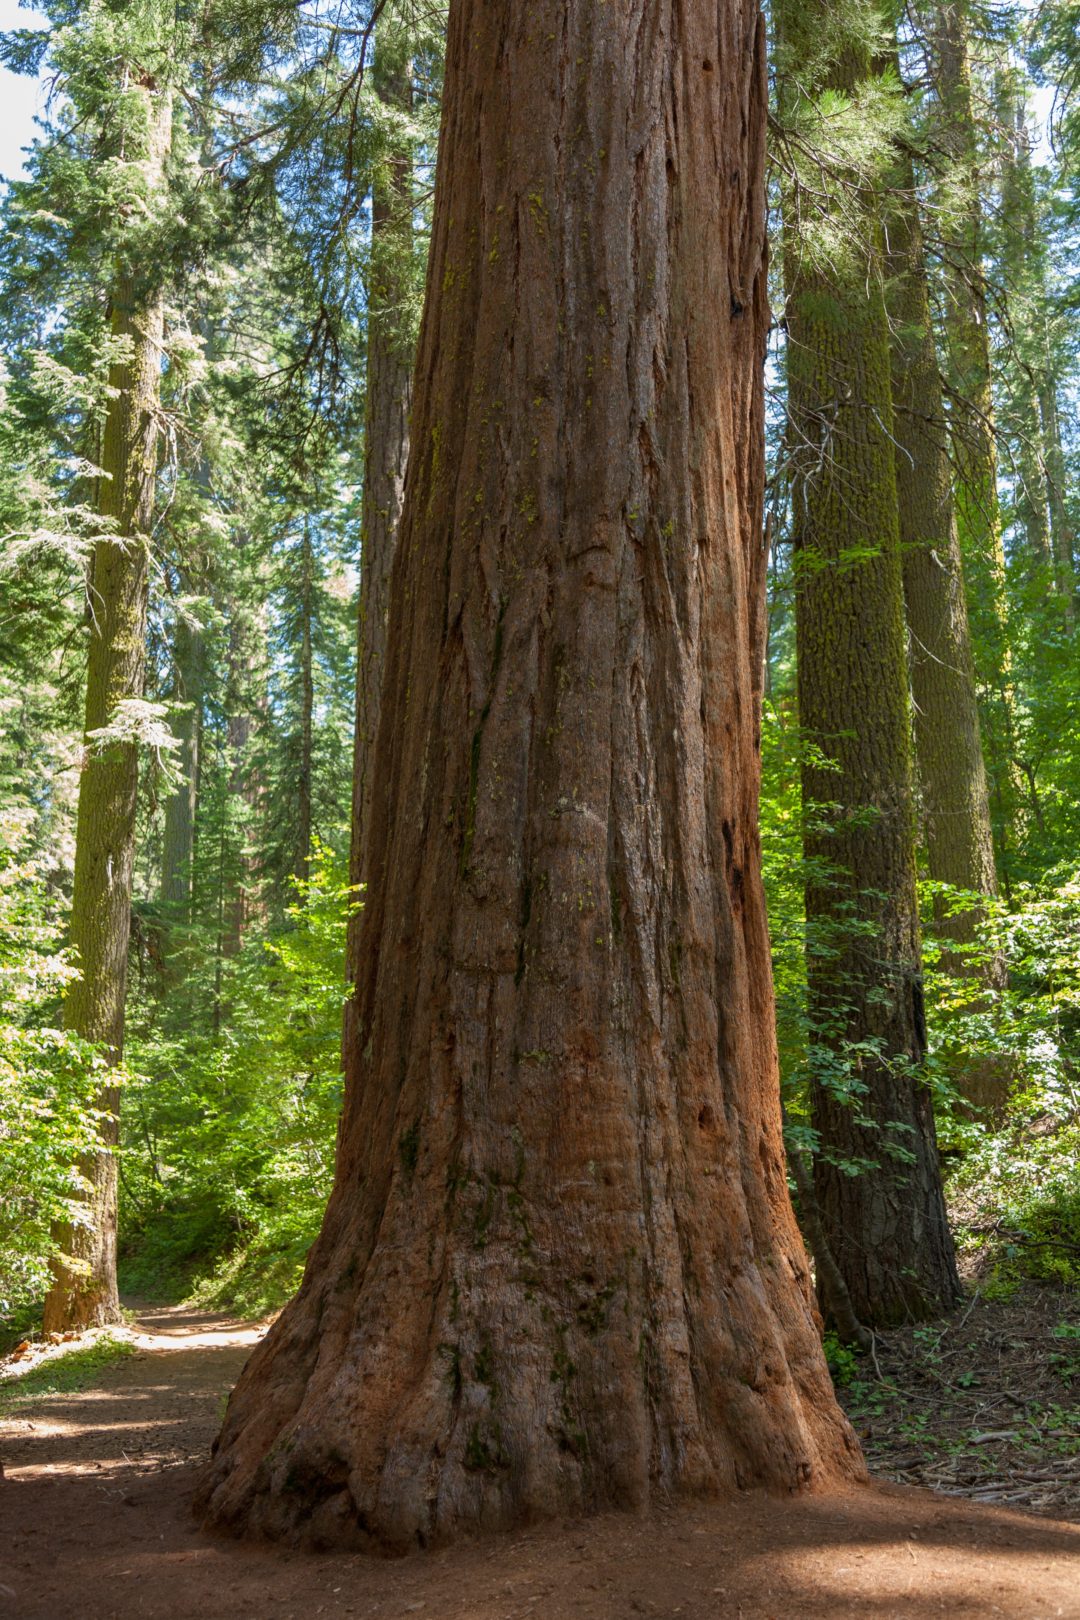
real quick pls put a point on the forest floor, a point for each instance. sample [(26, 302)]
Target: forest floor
[(95, 1508)]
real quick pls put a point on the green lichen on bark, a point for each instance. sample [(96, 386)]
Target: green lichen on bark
[(886, 1226), (84, 1290)]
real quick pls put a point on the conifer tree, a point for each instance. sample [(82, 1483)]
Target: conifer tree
[(1034, 371), (84, 1291), (886, 1226), (960, 205), (953, 794), (390, 354), (178, 840)]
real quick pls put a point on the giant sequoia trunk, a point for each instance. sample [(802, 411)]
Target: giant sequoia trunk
[(886, 1227), (559, 1266), (954, 797), (390, 359), (84, 1290)]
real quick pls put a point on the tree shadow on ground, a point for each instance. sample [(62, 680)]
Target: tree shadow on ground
[(127, 1546)]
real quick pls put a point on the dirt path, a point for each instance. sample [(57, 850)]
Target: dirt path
[(95, 1525)]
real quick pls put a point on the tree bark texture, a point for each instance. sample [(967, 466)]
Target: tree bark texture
[(559, 1268), (886, 1227), (84, 1289), (390, 358), (954, 799)]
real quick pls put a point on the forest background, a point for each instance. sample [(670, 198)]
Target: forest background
[(286, 222)]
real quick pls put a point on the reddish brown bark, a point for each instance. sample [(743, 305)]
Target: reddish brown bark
[(559, 1267)]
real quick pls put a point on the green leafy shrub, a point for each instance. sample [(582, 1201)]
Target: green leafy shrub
[(48, 1078), (1015, 1191), (229, 1131)]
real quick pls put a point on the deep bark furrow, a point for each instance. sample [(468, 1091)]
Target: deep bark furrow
[(559, 1267)]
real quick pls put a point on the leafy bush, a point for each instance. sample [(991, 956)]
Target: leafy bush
[(1014, 1192), (48, 1078), (1016, 1202), (229, 1131)]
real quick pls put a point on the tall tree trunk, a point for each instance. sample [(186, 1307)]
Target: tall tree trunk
[(974, 448), (307, 707), (244, 662), (237, 908), (1060, 526), (390, 357), (178, 842), (886, 1226), (559, 1267), (1031, 498), (1024, 264), (84, 1288), (954, 797)]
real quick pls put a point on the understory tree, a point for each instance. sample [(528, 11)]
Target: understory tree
[(876, 1172), (962, 221), (136, 129), (390, 355), (954, 800)]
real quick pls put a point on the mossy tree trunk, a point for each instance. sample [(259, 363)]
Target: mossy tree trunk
[(559, 1267), (960, 208), (1034, 375), (886, 1226), (390, 359), (84, 1290), (954, 797)]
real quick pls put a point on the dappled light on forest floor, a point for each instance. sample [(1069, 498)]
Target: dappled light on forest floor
[(152, 1409), (180, 1327), (96, 1509), (984, 1404)]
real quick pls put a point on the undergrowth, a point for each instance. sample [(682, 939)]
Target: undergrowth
[(1016, 1205)]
